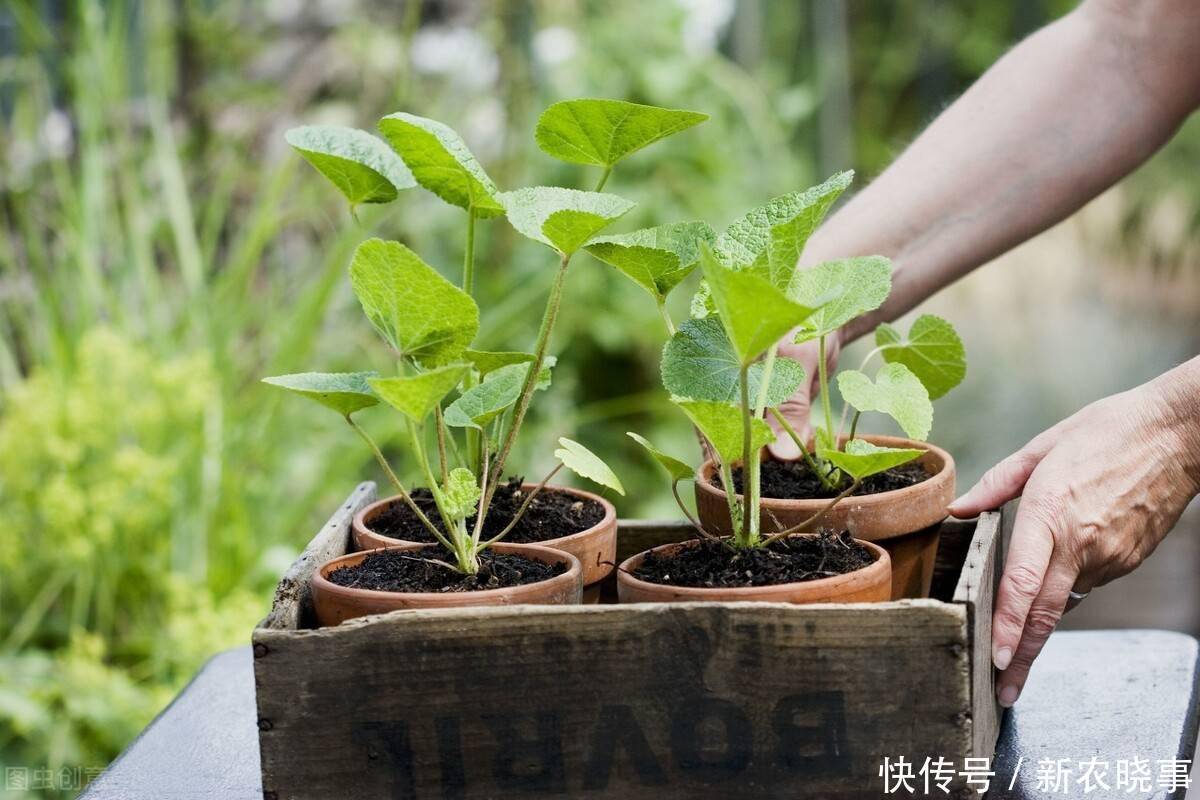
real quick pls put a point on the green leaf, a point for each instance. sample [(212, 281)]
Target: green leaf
[(486, 361), (861, 459), (481, 404), (932, 351), (586, 464), (544, 376), (442, 163), (771, 237), (678, 470), (344, 392), (564, 219), (858, 285), (420, 313), (415, 396), (602, 132), (363, 168), (896, 392), (699, 362), (722, 425), (460, 495), (702, 302), (755, 313), (656, 259)]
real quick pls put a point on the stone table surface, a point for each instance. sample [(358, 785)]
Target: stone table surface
[(1110, 696)]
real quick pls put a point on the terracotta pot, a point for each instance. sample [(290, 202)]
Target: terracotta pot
[(871, 584), (596, 547), (335, 604), (906, 522)]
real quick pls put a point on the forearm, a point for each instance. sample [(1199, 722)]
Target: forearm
[(1060, 118)]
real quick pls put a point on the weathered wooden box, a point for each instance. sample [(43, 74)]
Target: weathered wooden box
[(641, 701)]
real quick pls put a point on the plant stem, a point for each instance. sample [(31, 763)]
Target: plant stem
[(813, 519), (524, 507), (468, 280), (760, 402), (808, 459), (603, 179), (750, 521), (441, 441), (695, 522), (730, 496), (483, 477), (662, 310), (387, 468), (454, 530), (823, 375), (853, 426)]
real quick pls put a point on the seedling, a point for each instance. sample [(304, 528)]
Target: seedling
[(722, 366), (471, 402)]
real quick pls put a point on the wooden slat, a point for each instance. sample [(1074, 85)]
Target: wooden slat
[(977, 590)]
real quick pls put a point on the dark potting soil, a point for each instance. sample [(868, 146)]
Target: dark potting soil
[(794, 480), (551, 515), (415, 571), (714, 565)]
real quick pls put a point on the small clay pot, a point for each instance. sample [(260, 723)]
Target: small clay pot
[(335, 604), (596, 547), (907, 522), (871, 584)]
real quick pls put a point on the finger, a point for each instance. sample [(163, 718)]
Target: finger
[(1029, 554), (1043, 618), (1002, 482), (796, 412)]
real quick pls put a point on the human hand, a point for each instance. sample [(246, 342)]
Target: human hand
[(1099, 491), (796, 408)]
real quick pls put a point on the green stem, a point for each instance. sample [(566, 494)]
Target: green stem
[(808, 459), (443, 462), (454, 530), (730, 496), (853, 426), (468, 283), (603, 179), (823, 375), (750, 465), (799, 526), (662, 310), (524, 507), (760, 402)]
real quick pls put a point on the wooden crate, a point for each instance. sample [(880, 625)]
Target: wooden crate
[(643, 701)]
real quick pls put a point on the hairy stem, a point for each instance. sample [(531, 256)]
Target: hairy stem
[(750, 465), (443, 461), (803, 447), (731, 496), (815, 517), (694, 522), (524, 506), (662, 310), (823, 375), (468, 278), (483, 477), (603, 179), (454, 529), (853, 426)]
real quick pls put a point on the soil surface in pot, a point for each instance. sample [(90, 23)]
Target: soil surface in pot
[(551, 515), (794, 480), (714, 565), (414, 571)]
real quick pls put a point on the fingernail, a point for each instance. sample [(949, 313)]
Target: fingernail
[(956, 507), (783, 448), (1009, 695), (1002, 658)]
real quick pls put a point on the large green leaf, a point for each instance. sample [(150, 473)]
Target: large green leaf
[(932, 351), (363, 168), (586, 464), (858, 285), (441, 162), (896, 392), (481, 404), (415, 396), (344, 392), (678, 470), (771, 237), (722, 425), (699, 362), (486, 361), (658, 258), (564, 219), (861, 459), (460, 495), (755, 313), (602, 132), (416, 310)]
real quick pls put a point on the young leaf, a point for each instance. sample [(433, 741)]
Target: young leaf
[(721, 424), (564, 219), (586, 464), (420, 313), (485, 361), (481, 404), (699, 362), (602, 132), (657, 259), (678, 470), (755, 313), (770, 237), (859, 285), (861, 459), (460, 495), (441, 162), (896, 392), (415, 396), (344, 392), (359, 165), (932, 351)]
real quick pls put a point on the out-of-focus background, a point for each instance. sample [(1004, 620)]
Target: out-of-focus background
[(161, 248)]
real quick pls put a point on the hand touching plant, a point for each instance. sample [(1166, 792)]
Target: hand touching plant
[(463, 408)]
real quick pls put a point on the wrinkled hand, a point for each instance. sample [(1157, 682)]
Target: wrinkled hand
[(796, 409), (1099, 491)]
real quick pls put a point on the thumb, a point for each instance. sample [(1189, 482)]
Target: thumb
[(796, 411)]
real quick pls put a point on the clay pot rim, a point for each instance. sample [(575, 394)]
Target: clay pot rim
[(625, 575), (947, 470), (573, 574), (609, 519)]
